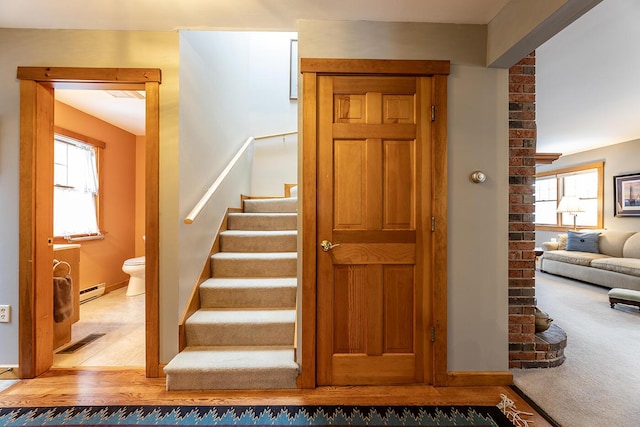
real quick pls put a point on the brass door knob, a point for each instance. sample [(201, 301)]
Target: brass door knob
[(326, 245)]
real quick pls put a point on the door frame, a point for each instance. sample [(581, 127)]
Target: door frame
[(37, 85), (311, 68)]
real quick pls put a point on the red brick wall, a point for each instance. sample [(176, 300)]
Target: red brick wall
[(522, 150)]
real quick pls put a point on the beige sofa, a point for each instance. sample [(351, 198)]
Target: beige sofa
[(616, 265)]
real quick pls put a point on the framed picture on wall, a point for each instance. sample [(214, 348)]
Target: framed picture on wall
[(293, 67), (626, 192)]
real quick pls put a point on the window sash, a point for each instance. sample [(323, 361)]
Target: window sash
[(75, 191), (585, 182)]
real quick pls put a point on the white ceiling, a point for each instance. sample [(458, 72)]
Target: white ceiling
[(167, 15), (588, 94), (125, 113), (587, 90)]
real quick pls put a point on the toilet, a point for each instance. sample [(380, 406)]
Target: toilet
[(134, 267)]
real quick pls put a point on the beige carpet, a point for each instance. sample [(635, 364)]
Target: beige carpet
[(599, 383), (242, 336)]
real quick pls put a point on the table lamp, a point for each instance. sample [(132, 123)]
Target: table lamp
[(570, 205)]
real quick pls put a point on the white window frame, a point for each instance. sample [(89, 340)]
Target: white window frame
[(71, 137)]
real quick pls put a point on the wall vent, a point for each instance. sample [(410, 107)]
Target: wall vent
[(92, 292)]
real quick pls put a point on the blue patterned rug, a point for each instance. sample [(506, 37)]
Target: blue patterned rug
[(488, 416)]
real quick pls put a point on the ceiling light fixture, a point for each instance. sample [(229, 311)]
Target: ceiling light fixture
[(132, 94)]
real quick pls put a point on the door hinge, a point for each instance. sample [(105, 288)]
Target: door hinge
[(433, 113), (433, 223), (433, 334)]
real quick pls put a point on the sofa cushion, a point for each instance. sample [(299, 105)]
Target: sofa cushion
[(612, 242), (583, 241), (630, 266), (632, 247), (562, 241), (574, 257)]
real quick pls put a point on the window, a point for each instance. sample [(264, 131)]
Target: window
[(75, 187), (584, 182)]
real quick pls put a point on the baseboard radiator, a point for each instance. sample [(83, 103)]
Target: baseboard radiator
[(92, 292)]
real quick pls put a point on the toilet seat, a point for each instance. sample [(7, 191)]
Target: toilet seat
[(134, 261)]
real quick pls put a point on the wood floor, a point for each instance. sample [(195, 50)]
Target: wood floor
[(101, 374), (121, 319), (120, 386)]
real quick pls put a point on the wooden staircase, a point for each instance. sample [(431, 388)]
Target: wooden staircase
[(242, 336)]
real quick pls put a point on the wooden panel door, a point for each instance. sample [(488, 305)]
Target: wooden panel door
[(373, 195)]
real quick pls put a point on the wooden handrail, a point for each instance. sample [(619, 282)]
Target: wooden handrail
[(273, 135), (214, 187)]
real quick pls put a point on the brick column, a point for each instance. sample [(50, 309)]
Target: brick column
[(522, 150)]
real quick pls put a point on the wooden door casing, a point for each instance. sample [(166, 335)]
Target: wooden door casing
[(36, 250), (433, 300), (36, 204)]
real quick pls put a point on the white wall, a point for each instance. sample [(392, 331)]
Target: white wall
[(214, 95), (233, 85), (478, 219), (619, 159), (275, 162), (69, 48), (477, 139)]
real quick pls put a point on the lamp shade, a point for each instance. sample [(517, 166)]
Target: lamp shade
[(570, 205)]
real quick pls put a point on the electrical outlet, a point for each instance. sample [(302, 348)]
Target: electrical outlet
[(5, 313)]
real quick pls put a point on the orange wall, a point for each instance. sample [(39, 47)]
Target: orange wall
[(140, 196), (101, 260)]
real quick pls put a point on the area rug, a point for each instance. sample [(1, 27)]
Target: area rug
[(486, 416)]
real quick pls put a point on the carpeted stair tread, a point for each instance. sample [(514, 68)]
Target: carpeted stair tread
[(225, 357), (254, 264), (262, 221), (278, 204), (209, 315), (255, 255), (242, 292), (260, 233), (228, 368), (242, 337), (258, 241), (240, 327)]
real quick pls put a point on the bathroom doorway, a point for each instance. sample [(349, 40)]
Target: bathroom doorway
[(37, 86), (99, 215)]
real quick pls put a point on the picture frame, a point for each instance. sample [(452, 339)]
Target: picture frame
[(626, 192), (293, 70)]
